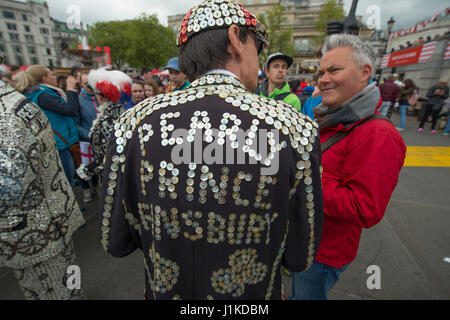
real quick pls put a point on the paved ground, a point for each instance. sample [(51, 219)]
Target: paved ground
[(409, 245)]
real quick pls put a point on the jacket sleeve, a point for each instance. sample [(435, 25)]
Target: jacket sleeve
[(445, 96), (51, 103), (306, 216), (396, 93), (431, 91), (120, 230), (293, 100), (370, 174), (83, 132), (15, 173)]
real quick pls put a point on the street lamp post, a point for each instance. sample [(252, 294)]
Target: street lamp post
[(390, 24)]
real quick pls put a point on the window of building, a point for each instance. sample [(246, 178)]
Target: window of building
[(12, 26), (1, 35), (34, 60), (17, 49), (8, 15), (1, 48), (312, 46), (29, 38), (27, 28), (42, 21), (50, 62), (49, 52), (304, 46), (44, 31), (19, 60), (31, 50), (14, 36), (24, 17)]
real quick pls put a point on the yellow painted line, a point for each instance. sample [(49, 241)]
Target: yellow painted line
[(427, 157)]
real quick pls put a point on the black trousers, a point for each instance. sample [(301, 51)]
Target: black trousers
[(434, 115)]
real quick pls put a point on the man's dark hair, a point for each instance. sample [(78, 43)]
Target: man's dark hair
[(139, 82), (64, 83), (74, 70), (14, 68), (206, 51), (145, 70), (294, 84)]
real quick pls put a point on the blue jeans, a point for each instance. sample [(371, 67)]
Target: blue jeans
[(447, 127), (403, 110), (385, 107), (68, 165), (315, 283)]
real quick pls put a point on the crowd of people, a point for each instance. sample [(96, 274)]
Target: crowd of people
[(405, 94), (229, 225), (418, 42)]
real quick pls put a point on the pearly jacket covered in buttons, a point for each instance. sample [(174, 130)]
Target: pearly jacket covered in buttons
[(38, 210), (218, 187)]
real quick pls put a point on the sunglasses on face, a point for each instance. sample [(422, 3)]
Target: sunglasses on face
[(259, 43)]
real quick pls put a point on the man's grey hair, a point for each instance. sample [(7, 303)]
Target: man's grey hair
[(363, 53)]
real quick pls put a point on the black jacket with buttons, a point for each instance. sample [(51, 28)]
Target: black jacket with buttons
[(212, 225)]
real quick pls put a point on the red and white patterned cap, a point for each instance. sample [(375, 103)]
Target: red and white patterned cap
[(216, 14), (110, 84)]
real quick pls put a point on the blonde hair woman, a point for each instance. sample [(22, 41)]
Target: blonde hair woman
[(60, 108), (23, 81)]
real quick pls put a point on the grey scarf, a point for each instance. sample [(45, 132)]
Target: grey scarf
[(358, 107)]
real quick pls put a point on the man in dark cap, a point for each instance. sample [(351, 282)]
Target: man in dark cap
[(217, 186), (276, 86)]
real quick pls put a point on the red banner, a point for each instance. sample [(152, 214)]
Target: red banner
[(107, 50), (413, 55)]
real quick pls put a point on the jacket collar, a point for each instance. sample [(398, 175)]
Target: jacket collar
[(86, 94), (215, 79), (264, 89), (184, 86)]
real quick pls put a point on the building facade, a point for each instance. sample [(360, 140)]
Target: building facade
[(426, 61), (301, 16), (64, 39), (26, 33)]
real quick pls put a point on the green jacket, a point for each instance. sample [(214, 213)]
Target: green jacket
[(291, 98), (184, 86)]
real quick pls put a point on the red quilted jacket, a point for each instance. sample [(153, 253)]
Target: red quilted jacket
[(360, 174)]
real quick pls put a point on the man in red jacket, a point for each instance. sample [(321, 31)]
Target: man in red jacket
[(389, 94), (360, 171)]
